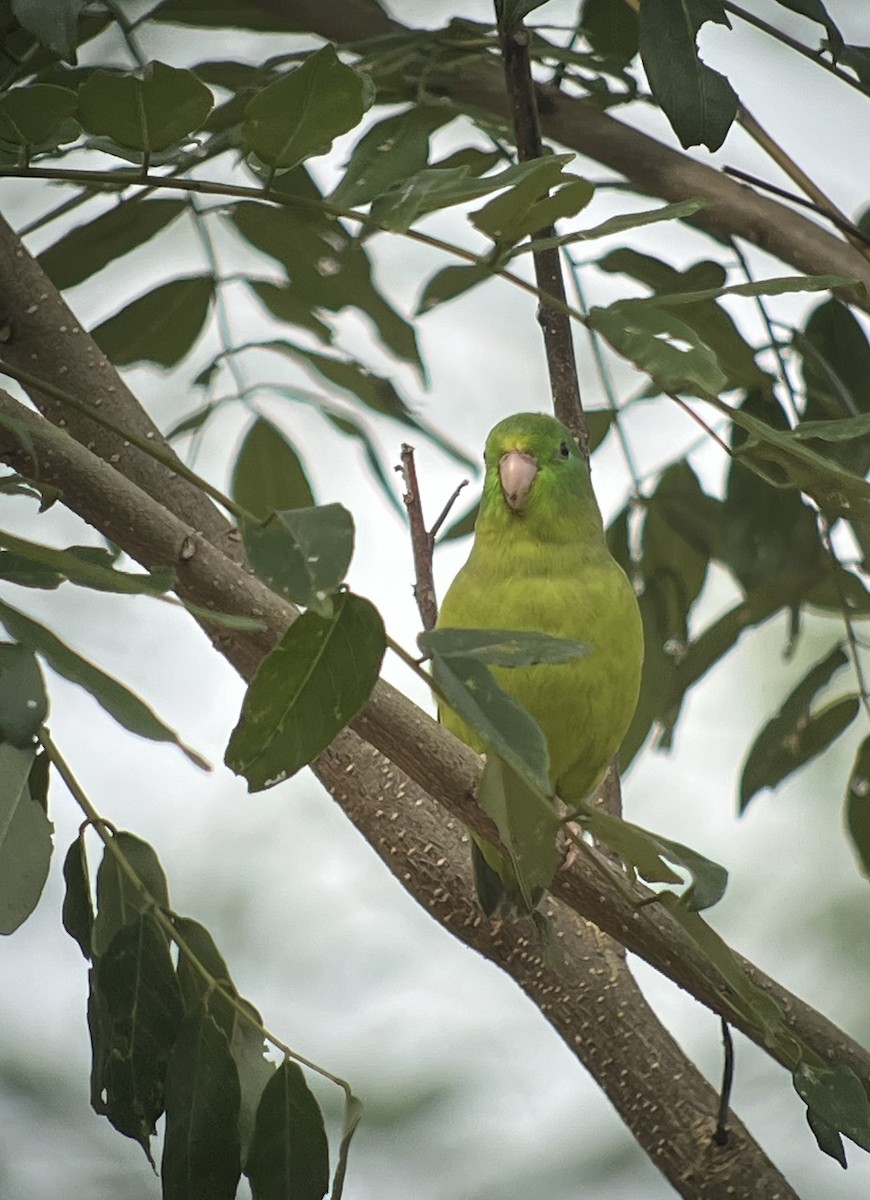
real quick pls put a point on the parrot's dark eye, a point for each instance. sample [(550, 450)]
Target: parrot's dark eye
[(564, 450)]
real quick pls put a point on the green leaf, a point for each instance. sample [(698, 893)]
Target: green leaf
[(159, 327), (526, 821), (88, 248), (647, 336), (618, 224), (837, 1096), (302, 554), (147, 111), (451, 282), (25, 839), (816, 11), (858, 805), (845, 430), (267, 475), (31, 115), (248, 1049), (611, 29), (526, 207), (54, 25), (795, 735), (134, 1014), (119, 901), (88, 566), (197, 992), (388, 153), (300, 114), (289, 1155), (784, 462), (699, 102), (500, 722), (118, 701), (78, 910), (501, 647), (23, 702), (201, 1152), (827, 1138), (304, 693)]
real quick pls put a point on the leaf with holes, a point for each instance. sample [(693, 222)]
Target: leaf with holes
[(302, 554)]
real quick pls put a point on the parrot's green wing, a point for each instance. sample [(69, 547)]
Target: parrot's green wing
[(540, 562)]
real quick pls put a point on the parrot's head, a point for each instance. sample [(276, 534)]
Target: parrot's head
[(535, 474)]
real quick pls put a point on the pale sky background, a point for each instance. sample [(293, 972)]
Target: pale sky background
[(468, 1092)]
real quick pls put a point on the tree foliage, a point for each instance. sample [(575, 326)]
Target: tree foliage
[(244, 150)]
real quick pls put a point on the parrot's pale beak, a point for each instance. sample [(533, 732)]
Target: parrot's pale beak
[(517, 471)]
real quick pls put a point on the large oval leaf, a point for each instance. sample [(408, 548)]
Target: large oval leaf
[(147, 111)]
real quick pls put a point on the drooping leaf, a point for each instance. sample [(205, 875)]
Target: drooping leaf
[(500, 647), (134, 1014), (311, 685), (88, 248), (201, 1152), (526, 821), (289, 1154), (122, 704), (827, 1137), (858, 805), (25, 839), (451, 282), (159, 327), (119, 901), (837, 1096), (146, 111), (268, 475), (795, 735), (31, 115), (199, 993), (55, 25), (388, 153), (302, 554), (522, 212), (23, 702), (300, 114), (699, 102), (248, 1049), (88, 566), (497, 720), (78, 909), (816, 11)]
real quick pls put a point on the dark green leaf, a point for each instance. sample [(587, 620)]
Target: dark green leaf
[(126, 708), (450, 282), (837, 1096), (827, 1138), (23, 702), (88, 566), (119, 900), (305, 692), (795, 736), (784, 462), (30, 115), (300, 114), (521, 210), (611, 29), (289, 1155), (88, 248), (699, 102), (292, 304), (816, 11), (134, 1013), (159, 327), (835, 357), (267, 475), (55, 25), (255, 1070), (78, 909), (389, 152), (500, 647), (526, 821), (497, 720), (25, 840), (304, 553), (201, 1153), (147, 111), (647, 336), (197, 992), (858, 805)]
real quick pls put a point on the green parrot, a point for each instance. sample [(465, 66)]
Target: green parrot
[(540, 562)]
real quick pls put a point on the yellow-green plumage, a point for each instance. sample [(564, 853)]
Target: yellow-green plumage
[(541, 563)]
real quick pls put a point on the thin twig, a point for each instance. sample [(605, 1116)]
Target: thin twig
[(830, 214), (445, 511), (556, 328), (710, 432), (721, 1134)]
